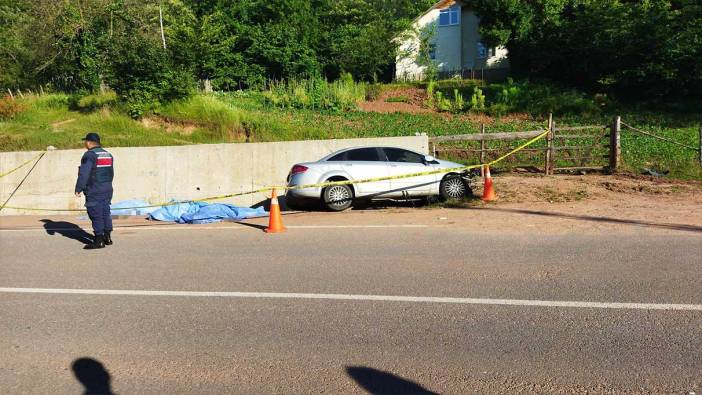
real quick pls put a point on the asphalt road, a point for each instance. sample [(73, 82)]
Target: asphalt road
[(349, 342)]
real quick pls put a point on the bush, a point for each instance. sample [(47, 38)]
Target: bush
[(203, 110), (53, 101), (144, 75), (9, 108), (442, 103), (373, 91), (477, 100), (498, 109), (458, 103), (96, 101), (316, 93)]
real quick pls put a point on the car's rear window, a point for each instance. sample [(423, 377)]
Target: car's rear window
[(361, 154)]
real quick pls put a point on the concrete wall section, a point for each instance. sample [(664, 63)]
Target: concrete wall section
[(159, 174)]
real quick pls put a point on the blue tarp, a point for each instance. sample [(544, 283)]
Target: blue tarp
[(204, 213), (120, 208)]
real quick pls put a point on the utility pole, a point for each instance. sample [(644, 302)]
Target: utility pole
[(160, 18)]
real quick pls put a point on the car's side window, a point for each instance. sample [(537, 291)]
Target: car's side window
[(338, 157), (363, 154), (403, 156)]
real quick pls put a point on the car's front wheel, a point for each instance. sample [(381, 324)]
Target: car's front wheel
[(337, 197), (453, 187)]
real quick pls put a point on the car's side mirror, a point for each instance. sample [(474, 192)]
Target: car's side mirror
[(428, 159)]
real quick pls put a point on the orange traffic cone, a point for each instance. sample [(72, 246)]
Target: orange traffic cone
[(275, 221), (488, 190)]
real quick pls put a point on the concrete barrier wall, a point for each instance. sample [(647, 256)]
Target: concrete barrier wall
[(159, 174)]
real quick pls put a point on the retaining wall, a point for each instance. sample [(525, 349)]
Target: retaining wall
[(159, 174)]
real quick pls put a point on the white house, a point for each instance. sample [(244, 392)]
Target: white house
[(450, 29)]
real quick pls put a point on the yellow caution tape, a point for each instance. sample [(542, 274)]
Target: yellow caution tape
[(318, 185), (22, 165)]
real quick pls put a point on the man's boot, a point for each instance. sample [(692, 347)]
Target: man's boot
[(108, 238), (98, 242)]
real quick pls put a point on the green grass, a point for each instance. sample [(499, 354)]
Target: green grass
[(397, 99), (47, 121), (244, 116)]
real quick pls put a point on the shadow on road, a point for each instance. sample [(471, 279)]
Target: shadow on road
[(256, 226), (378, 382), (683, 227), (67, 229), (93, 375)]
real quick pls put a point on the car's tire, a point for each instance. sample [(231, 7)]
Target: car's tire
[(453, 187), (337, 197)]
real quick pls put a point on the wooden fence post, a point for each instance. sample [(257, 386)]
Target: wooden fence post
[(615, 148), (549, 143), (11, 95), (482, 151)]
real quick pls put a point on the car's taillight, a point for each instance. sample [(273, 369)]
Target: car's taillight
[(297, 169)]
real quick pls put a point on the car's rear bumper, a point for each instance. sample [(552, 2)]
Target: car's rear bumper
[(305, 193), (304, 179)]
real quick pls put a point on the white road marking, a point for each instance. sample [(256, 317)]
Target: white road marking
[(377, 298), (200, 227)]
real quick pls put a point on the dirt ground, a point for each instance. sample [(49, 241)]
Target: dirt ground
[(564, 202), (414, 105), (526, 203)]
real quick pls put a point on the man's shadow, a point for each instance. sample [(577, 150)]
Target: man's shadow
[(93, 375), (67, 229), (379, 382)]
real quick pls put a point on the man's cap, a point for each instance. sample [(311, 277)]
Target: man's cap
[(94, 137)]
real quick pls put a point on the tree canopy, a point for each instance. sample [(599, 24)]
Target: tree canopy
[(640, 48), (73, 45), (643, 48)]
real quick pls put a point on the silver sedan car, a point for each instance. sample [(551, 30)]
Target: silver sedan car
[(374, 162)]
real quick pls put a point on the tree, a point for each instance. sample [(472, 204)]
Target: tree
[(642, 49)]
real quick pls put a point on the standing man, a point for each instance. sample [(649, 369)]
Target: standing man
[(95, 176)]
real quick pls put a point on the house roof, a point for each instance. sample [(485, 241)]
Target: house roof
[(438, 5)]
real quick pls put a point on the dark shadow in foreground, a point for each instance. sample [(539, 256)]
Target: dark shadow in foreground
[(94, 377), (659, 225), (67, 229), (379, 382)]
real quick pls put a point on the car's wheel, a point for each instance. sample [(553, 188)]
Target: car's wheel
[(337, 197), (453, 187)]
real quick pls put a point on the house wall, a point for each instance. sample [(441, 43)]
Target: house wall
[(456, 46), (448, 46), (471, 37), (469, 31), (407, 67)]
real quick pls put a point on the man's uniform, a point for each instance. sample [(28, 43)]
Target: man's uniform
[(95, 176)]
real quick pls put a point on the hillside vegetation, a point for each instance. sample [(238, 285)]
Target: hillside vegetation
[(304, 111)]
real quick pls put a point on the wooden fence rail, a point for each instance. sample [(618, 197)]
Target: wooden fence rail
[(583, 144), (504, 136), (559, 147)]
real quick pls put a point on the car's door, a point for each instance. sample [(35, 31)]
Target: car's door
[(404, 162), (365, 163)]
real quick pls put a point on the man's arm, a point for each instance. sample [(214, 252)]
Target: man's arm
[(86, 168)]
